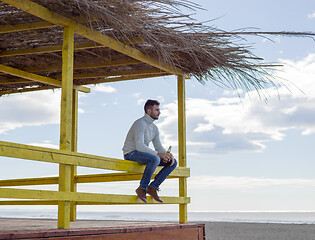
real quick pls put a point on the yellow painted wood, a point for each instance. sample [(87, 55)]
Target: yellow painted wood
[(27, 202), (112, 177), (83, 198), (33, 25), (116, 73), (74, 141), (129, 77), (46, 14), (35, 77), (56, 48), (36, 153), (182, 145), (13, 81), (29, 181), (26, 26), (113, 63), (24, 90), (91, 178), (66, 123)]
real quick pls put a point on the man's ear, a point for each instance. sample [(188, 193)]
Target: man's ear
[(149, 111)]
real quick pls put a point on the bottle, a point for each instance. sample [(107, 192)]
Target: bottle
[(168, 151)]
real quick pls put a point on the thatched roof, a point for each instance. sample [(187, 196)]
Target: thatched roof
[(156, 28)]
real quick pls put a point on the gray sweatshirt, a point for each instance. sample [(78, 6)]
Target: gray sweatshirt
[(142, 132)]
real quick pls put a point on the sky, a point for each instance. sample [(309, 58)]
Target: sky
[(245, 154)]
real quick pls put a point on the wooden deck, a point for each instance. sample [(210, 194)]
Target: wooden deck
[(97, 230)]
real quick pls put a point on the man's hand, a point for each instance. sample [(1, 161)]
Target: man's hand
[(167, 156)]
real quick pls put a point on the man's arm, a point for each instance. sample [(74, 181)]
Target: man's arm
[(161, 150), (157, 142)]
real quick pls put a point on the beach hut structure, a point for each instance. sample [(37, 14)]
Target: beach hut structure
[(70, 44)]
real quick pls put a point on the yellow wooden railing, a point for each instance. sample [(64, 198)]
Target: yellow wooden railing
[(67, 156), (131, 171)]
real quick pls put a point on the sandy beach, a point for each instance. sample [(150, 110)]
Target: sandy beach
[(259, 231)]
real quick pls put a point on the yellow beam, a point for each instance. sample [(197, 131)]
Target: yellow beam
[(117, 73), (13, 81), (113, 63), (36, 77), (83, 198), (56, 48), (26, 202), (36, 153), (26, 26), (24, 90), (182, 145), (46, 14), (74, 141), (91, 178), (29, 181), (130, 74), (130, 77), (47, 49), (66, 123), (32, 26)]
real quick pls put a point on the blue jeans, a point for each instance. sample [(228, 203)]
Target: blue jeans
[(152, 161)]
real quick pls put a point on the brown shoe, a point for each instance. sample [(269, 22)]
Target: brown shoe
[(141, 194), (153, 192)]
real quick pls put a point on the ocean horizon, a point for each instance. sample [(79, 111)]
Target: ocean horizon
[(246, 217)]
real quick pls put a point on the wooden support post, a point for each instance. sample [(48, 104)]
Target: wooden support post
[(73, 188), (66, 124), (182, 145)]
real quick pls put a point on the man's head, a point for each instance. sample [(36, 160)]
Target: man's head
[(152, 108)]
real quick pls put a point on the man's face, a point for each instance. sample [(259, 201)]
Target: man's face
[(154, 112)]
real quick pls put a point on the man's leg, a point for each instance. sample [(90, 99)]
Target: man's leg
[(151, 161), (162, 175), (159, 178)]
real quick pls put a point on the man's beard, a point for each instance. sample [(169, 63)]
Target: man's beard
[(154, 117)]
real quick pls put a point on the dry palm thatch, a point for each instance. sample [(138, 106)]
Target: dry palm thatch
[(167, 34)]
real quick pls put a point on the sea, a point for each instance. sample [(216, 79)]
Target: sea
[(246, 217)]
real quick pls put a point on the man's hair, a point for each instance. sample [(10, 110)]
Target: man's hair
[(149, 104)]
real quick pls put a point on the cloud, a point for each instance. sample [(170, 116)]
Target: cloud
[(29, 109), (232, 123), (204, 182), (46, 144), (104, 89), (231, 182), (311, 15)]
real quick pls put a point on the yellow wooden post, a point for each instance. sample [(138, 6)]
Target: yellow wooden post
[(73, 188), (182, 145), (66, 124)]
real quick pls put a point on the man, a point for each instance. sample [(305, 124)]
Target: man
[(136, 148)]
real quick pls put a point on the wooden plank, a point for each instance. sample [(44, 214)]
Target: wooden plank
[(26, 26), (91, 178), (66, 123), (130, 77), (25, 90), (36, 153), (113, 63), (83, 198), (29, 181), (46, 14), (117, 73), (74, 146), (35, 77), (27, 202), (182, 145), (56, 48)]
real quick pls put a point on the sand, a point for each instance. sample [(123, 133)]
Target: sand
[(259, 231)]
